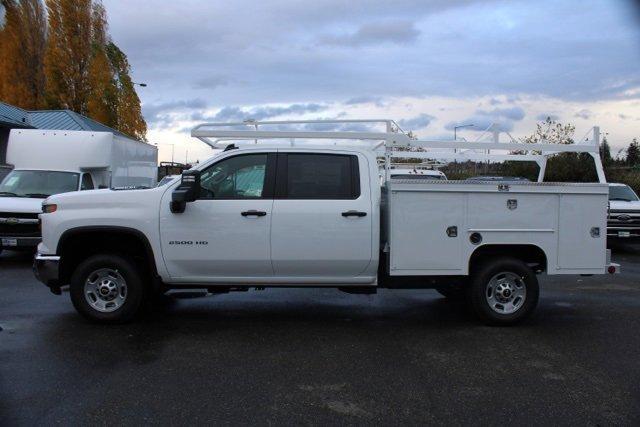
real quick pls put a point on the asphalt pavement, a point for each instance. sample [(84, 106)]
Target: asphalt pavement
[(322, 357)]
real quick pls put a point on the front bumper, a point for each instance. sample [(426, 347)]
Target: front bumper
[(46, 269), (17, 242), (621, 233)]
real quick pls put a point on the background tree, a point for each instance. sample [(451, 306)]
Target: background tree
[(22, 41), (65, 59), (85, 71), (68, 54), (605, 152), (552, 131), (129, 112), (633, 153), (103, 93), (563, 167)]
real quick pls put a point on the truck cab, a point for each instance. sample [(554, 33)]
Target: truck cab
[(256, 200)]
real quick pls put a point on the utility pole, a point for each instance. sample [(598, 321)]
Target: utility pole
[(173, 149), (455, 133)]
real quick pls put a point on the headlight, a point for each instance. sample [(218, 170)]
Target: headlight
[(49, 208)]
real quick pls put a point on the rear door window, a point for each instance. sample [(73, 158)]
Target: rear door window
[(318, 176)]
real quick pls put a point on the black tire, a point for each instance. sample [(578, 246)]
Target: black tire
[(134, 286), (453, 292), (501, 269)]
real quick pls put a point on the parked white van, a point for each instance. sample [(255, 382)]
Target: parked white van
[(54, 162)]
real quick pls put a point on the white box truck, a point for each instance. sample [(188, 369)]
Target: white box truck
[(297, 215), (50, 162)]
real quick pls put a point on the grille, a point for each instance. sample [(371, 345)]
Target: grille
[(18, 215), (19, 230), (624, 219)]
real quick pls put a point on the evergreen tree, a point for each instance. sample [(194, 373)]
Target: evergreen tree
[(633, 153), (605, 152)]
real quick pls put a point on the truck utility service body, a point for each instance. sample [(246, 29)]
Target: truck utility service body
[(303, 215), (53, 162)]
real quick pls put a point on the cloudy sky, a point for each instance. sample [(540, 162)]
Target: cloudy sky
[(428, 64)]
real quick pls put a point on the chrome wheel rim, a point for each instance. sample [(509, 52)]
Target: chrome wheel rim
[(105, 290), (506, 292)]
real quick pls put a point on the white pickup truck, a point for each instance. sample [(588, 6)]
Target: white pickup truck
[(624, 213), (297, 215)]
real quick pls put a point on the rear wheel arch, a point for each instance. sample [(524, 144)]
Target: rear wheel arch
[(532, 255)]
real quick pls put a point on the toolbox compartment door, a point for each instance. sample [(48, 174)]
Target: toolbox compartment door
[(578, 249), (418, 230)]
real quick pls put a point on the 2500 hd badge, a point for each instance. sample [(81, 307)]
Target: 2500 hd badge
[(188, 242)]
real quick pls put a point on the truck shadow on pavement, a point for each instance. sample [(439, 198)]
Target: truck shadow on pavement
[(618, 246)]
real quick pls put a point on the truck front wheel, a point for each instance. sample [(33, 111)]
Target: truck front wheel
[(107, 288), (503, 291)]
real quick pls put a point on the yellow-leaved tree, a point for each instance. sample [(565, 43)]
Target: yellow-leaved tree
[(102, 104), (65, 59), (129, 112), (68, 54), (22, 42)]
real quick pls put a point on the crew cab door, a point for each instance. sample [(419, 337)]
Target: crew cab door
[(225, 233), (322, 220)]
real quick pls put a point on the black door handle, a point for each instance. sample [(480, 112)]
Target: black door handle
[(354, 213), (253, 212)]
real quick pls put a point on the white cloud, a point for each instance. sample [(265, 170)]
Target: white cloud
[(420, 121), (499, 118), (584, 114), (396, 32), (481, 60)]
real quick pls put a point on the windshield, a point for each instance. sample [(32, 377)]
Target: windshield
[(622, 192), (38, 184)]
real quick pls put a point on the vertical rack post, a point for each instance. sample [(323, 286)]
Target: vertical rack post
[(596, 156)]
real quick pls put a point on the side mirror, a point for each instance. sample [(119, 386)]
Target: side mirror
[(187, 191)]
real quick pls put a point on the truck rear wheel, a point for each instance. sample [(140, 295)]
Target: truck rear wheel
[(503, 291), (107, 288)]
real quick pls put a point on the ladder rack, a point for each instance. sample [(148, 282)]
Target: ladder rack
[(396, 143)]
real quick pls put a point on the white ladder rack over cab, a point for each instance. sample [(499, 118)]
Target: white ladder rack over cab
[(396, 142)]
